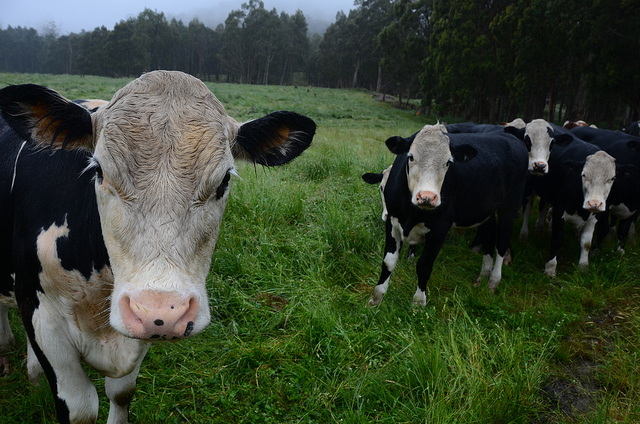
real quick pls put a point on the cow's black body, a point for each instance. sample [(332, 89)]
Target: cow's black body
[(472, 127), (472, 193), (624, 199)]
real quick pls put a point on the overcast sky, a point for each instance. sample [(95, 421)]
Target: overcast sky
[(76, 15)]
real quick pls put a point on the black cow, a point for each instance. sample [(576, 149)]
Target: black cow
[(624, 199), (633, 128), (442, 180)]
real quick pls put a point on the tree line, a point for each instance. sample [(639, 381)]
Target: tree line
[(482, 60)]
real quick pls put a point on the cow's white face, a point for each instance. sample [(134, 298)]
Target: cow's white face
[(538, 139), (163, 153), (163, 158), (598, 174), (428, 161)]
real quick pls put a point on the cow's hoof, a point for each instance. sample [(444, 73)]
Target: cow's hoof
[(5, 365)]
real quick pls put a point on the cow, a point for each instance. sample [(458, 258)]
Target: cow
[(441, 180), (109, 222), (579, 182), (539, 137), (472, 127), (624, 199), (633, 128)]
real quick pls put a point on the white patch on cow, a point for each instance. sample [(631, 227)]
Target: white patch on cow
[(485, 270), (585, 230), (621, 211), (383, 184), (538, 133), (420, 297), (428, 161), (598, 174), (77, 310), (550, 267), (34, 369), (379, 292), (516, 123)]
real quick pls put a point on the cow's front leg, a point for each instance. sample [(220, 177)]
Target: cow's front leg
[(586, 237), (392, 248), (6, 340), (433, 244), (557, 237), (120, 392)]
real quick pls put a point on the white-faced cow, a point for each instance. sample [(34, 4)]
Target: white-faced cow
[(105, 246), (539, 137), (438, 181), (624, 199), (580, 180)]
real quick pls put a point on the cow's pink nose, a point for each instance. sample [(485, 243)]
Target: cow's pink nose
[(152, 315), (594, 206), (539, 167), (427, 198)]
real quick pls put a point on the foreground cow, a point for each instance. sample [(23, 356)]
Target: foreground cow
[(580, 180), (438, 181), (624, 199), (111, 249)]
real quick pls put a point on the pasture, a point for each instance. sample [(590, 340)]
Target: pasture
[(293, 340)]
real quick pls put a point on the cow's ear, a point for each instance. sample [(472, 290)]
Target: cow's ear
[(518, 132), (574, 165), (463, 152), (562, 139), (372, 178), (399, 145), (275, 139), (43, 116), (634, 145)]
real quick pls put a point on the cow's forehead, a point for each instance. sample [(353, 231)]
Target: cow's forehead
[(163, 122), (600, 164), (431, 144), (538, 129)]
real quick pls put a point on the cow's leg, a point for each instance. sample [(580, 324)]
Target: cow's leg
[(623, 230), (34, 369), (586, 237), (557, 237), (433, 244), (392, 248), (503, 243), (120, 392), (524, 230), (6, 340), (487, 233), (601, 230)]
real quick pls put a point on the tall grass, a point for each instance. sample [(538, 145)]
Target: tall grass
[(292, 339)]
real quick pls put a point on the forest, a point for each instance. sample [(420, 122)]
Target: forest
[(481, 60)]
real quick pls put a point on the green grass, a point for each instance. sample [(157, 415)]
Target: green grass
[(292, 339)]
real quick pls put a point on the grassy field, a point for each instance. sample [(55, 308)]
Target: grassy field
[(292, 339)]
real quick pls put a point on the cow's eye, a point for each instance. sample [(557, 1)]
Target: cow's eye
[(449, 162), (99, 175), (224, 185)]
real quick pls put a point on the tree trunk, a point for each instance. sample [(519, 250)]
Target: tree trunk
[(379, 82), (354, 84)]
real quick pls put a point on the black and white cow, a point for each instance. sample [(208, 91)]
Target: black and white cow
[(539, 137), (580, 180), (105, 247), (441, 180), (624, 199)]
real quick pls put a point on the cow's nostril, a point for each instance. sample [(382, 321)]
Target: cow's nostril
[(158, 322)]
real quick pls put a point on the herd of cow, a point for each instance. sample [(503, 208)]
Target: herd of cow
[(110, 211)]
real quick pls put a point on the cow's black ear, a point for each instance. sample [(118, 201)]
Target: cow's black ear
[(43, 116), (372, 178), (634, 145), (463, 153), (399, 145), (274, 139), (574, 165), (562, 139), (518, 132)]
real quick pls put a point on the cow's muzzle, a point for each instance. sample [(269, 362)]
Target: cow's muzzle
[(427, 199), (151, 315), (594, 206)]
